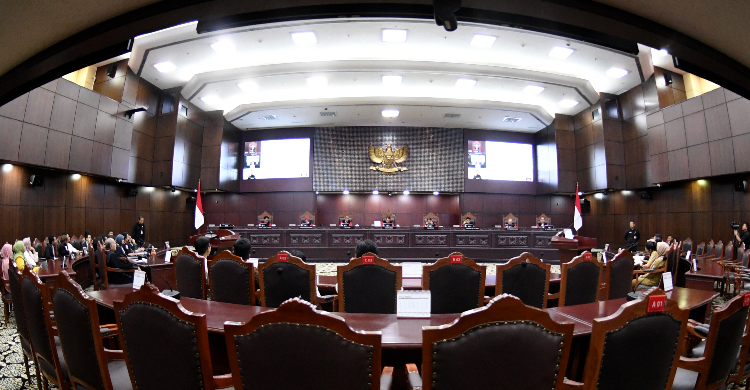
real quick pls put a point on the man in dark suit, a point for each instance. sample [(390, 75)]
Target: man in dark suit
[(114, 260), (467, 222), (139, 231), (388, 222), (347, 222), (265, 222)]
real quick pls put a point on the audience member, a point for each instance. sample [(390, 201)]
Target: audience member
[(120, 248), (298, 253), (366, 246), (29, 253), (5, 254), (656, 261), (203, 246), (49, 250), (62, 245), (114, 260), (18, 255), (242, 248), (86, 241)]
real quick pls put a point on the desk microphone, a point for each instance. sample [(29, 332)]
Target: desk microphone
[(171, 292)]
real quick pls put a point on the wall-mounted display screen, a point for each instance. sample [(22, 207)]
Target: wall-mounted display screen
[(494, 160), (277, 159)]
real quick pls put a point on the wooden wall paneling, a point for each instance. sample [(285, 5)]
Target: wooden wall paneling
[(115, 88), (10, 138), (39, 107), (739, 116), (54, 220), (659, 168), (650, 96), (657, 139), (105, 128), (145, 123), (130, 88), (636, 96), (713, 98), (695, 128), (88, 97), (123, 134), (101, 159), (16, 108), (112, 195), (120, 163), (109, 106), (678, 165), (717, 122), (33, 144), (63, 114), (147, 96), (75, 220), (741, 156), (600, 173), (722, 156), (673, 112), (85, 121), (80, 155), (699, 161), (162, 173), (58, 150), (675, 134), (112, 219)]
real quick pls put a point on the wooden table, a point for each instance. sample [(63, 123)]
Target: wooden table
[(49, 269), (709, 272)]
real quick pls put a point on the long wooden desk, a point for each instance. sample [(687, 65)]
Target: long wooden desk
[(703, 279)]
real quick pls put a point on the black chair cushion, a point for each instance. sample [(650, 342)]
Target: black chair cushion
[(282, 281), (32, 299), (684, 379), (620, 278), (299, 356), (533, 357), (727, 346), (230, 282), (189, 276), (369, 289), (582, 284), (686, 246), (699, 349), (454, 289), (527, 282), (620, 367), (18, 310)]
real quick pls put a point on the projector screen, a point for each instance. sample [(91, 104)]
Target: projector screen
[(277, 159), (494, 160)]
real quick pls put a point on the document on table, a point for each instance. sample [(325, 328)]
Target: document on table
[(413, 304), (139, 277), (411, 270)]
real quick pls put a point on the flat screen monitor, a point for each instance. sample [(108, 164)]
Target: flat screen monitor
[(495, 160), (277, 159)]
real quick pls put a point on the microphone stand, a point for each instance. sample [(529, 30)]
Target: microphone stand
[(172, 293)]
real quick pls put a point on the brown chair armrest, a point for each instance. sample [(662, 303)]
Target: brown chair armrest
[(121, 270), (386, 378), (692, 364), (412, 374), (572, 385), (553, 296), (223, 381), (114, 354)]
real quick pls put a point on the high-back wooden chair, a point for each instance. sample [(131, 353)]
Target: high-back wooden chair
[(89, 364), (710, 249), (537, 348), (262, 216), (728, 252), (623, 335), (261, 357), (165, 346), (525, 277), (14, 280), (365, 278), (190, 274), (686, 245), (619, 275), (284, 277), (718, 251), (700, 250), (431, 217), (579, 280), (456, 284), (232, 280)]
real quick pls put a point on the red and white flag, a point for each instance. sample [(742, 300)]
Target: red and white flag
[(577, 218), (198, 208)]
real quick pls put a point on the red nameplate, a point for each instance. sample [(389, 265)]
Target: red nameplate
[(368, 259), (587, 256), (656, 303), (456, 259), (746, 301), (283, 257)]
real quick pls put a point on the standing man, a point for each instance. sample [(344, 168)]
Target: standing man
[(632, 236), (740, 239), (139, 232)]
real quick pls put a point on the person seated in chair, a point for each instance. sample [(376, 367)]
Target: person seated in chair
[(656, 261), (49, 249), (306, 222), (265, 222), (510, 223), (115, 260), (430, 223), (468, 223), (542, 222), (365, 246), (387, 222), (347, 222)]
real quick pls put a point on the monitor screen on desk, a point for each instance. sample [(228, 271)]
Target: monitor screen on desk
[(276, 159), (495, 160)]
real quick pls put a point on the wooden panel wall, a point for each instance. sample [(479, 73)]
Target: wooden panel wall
[(242, 209)]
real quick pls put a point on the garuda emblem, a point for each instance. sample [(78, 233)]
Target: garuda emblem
[(387, 158)]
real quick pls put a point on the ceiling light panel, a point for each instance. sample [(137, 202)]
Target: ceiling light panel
[(389, 113), (211, 100), (224, 47), (391, 80), (465, 83), (249, 86), (533, 90), (165, 67), (317, 81), (394, 35), (616, 72), (560, 52), (568, 103), (304, 38), (481, 40)]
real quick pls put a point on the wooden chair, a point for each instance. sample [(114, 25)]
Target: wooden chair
[(510, 220), (307, 216), (718, 251), (190, 274), (619, 275), (388, 214), (284, 277), (7, 297), (262, 216), (431, 217), (232, 280), (14, 280), (623, 335), (700, 250), (742, 371), (519, 347), (165, 346), (113, 270), (456, 284), (471, 216), (715, 357), (89, 364), (543, 219), (710, 249), (49, 356), (525, 277), (295, 346), (686, 245), (364, 278), (579, 280)]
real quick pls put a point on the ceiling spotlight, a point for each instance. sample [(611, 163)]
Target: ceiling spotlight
[(435, 193), (580, 193), (389, 113), (533, 90), (304, 38), (479, 40), (391, 80), (560, 52), (346, 192), (224, 46), (317, 81), (390, 193), (165, 67), (7, 167), (317, 192), (568, 103), (75, 176), (407, 192), (617, 73), (663, 52), (599, 195), (465, 83), (248, 86), (212, 100), (394, 35), (375, 192)]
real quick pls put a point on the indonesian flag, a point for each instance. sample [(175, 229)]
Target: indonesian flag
[(577, 218), (198, 208)]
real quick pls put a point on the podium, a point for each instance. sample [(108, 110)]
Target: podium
[(222, 239), (571, 247)]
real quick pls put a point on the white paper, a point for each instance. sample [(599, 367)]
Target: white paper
[(411, 270), (168, 256), (254, 261), (568, 233), (377, 223), (667, 280), (413, 304), (139, 277), (687, 255)]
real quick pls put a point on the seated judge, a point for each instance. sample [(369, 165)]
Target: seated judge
[(116, 260), (306, 222), (347, 222), (265, 222), (430, 223), (387, 222), (468, 223), (542, 222), (366, 246), (510, 223)]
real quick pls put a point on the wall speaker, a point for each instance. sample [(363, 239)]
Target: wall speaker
[(131, 193), (191, 199), (644, 194), (740, 186), (585, 205), (112, 70), (36, 180)]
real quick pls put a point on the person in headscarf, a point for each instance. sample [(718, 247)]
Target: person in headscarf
[(5, 255), (18, 255), (120, 247), (657, 260), (29, 253)]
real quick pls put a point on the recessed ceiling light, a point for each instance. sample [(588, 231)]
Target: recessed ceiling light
[(211, 100), (75, 176), (465, 83), (248, 86), (304, 38), (617, 73), (394, 35), (7, 167), (407, 192), (560, 52), (663, 52), (567, 103), (435, 193), (533, 89), (224, 46), (389, 113), (346, 192), (391, 79), (375, 192), (165, 67), (317, 81), (480, 40)]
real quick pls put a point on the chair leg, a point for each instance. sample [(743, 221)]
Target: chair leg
[(7, 313), (46, 383), (26, 364)]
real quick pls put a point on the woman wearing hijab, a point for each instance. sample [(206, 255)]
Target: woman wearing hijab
[(18, 255), (5, 255), (656, 261), (29, 253)]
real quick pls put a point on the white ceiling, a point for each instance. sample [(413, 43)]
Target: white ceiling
[(350, 53)]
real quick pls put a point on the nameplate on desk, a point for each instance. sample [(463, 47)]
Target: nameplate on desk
[(139, 277), (656, 303), (168, 256), (413, 304), (346, 227), (666, 279), (305, 227), (511, 228), (456, 259), (430, 228), (387, 227), (470, 228), (411, 270), (282, 257), (264, 227)]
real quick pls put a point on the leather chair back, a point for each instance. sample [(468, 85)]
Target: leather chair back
[(620, 275), (700, 249), (729, 252), (369, 285), (284, 277), (525, 277), (456, 284), (710, 249), (190, 274), (232, 280), (76, 244), (579, 281), (724, 340), (687, 245), (719, 250), (745, 256), (14, 280), (326, 352), (39, 249)]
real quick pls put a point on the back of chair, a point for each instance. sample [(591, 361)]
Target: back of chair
[(165, 346), (368, 285), (14, 279), (320, 348), (579, 280), (724, 338), (39, 249), (190, 274), (525, 277), (536, 348), (619, 275), (745, 257), (710, 249), (729, 252), (456, 284), (283, 277), (687, 245), (700, 249), (719, 250), (232, 280)]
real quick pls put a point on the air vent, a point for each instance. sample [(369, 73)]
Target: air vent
[(511, 119), (269, 117), (449, 115), (328, 113)]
